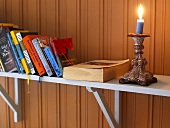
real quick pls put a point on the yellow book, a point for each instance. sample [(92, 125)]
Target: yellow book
[(19, 50)]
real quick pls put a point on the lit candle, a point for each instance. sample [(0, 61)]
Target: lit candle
[(140, 21)]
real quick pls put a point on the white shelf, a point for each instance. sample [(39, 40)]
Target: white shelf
[(161, 88)]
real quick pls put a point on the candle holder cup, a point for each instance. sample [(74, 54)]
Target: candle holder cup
[(138, 74)]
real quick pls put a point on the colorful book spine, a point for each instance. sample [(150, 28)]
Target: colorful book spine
[(25, 52), (52, 60), (57, 57), (42, 57), (6, 52), (27, 40), (18, 63), (23, 60)]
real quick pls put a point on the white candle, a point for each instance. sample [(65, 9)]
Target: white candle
[(140, 21)]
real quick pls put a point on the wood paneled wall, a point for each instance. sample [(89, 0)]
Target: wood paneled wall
[(99, 30)]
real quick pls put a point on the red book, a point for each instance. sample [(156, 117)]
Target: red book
[(64, 49)]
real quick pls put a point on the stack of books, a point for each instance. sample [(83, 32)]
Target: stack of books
[(28, 52)]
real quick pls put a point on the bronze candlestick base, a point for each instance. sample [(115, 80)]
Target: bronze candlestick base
[(138, 74)]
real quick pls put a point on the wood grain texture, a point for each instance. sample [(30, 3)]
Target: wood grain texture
[(3, 14), (51, 106), (99, 30), (4, 117)]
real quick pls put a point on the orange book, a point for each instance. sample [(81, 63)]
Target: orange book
[(27, 40)]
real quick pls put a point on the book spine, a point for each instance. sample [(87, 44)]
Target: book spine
[(25, 52), (23, 61), (57, 58), (6, 52), (16, 58), (42, 57), (34, 56), (59, 63), (52, 60)]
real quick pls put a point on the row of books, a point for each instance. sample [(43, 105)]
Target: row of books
[(28, 52)]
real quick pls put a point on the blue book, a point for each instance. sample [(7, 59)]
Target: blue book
[(52, 60), (16, 57)]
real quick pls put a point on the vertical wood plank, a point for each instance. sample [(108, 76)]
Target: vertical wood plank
[(44, 105), (78, 105), (131, 109), (165, 113), (83, 57), (107, 28), (141, 112), (23, 104), (9, 11), (159, 58), (92, 107), (58, 107), (52, 105), (15, 12), (124, 110), (166, 36), (25, 15), (63, 106), (159, 37), (34, 100), (166, 103), (27, 105), (104, 122), (116, 30), (62, 18), (101, 29), (43, 17), (84, 30), (77, 45), (50, 17), (32, 15), (84, 109), (57, 18), (3, 107), (125, 29), (152, 33), (40, 105), (73, 30), (157, 112), (71, 115), (150, 111), (93, 29), (3, 11)]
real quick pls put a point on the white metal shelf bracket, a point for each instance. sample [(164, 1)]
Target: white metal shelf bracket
[(114, 121), (15, 106)]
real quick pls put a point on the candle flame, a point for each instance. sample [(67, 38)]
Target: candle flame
[(140, 11)]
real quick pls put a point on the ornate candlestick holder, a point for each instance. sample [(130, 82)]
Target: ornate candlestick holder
[(138, 74)]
